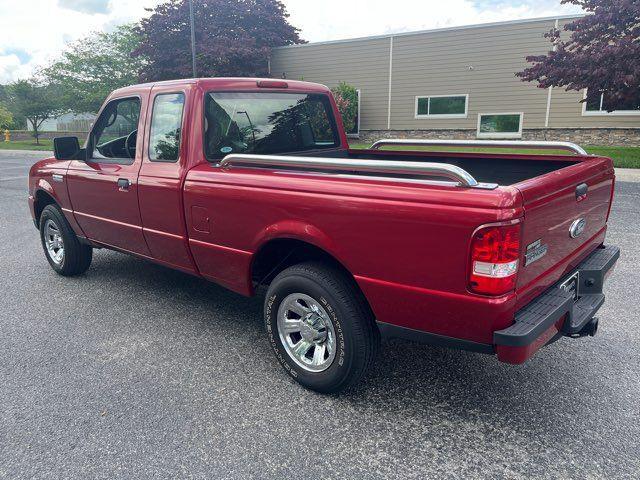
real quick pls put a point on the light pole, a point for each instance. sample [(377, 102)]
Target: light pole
[(193, 39)]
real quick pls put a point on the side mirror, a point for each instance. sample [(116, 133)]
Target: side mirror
[(66, 148)]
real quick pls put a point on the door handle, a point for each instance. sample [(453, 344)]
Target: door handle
[(581, 192), (123, 184)]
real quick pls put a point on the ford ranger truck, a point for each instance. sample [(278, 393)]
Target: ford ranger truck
[(250, 183)]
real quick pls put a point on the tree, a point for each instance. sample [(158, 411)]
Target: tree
[(91, 68), (346, 98), (17, 121), (602, 54), (6, 118), (34, 101), (233, 38)]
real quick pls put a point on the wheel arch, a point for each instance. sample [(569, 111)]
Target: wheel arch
[(42, 198), (277, 254)]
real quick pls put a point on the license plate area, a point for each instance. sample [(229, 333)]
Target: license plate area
[(571, 284)]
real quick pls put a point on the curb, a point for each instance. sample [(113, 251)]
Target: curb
[(44, 153), (627, 174)]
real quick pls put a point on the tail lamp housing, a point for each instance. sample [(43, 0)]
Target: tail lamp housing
[(272, 84), (495, 254)]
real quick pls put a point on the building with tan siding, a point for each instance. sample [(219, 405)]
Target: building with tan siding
[(457, 83)]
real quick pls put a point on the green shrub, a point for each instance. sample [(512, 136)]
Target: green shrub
[(347, 101)]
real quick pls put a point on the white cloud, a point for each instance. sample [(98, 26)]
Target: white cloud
[(42, 28), (349, 19), (86, 6), (10, 68)]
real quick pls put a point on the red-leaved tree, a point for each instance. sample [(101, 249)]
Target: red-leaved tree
[(233, 38), (602, 54)]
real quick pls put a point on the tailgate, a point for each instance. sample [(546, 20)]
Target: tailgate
[(562, 225)]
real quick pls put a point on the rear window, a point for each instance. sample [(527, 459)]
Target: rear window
[(267, 123)]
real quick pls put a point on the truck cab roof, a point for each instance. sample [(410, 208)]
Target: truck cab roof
[(231, 83)]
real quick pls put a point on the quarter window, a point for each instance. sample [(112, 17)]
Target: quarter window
[(500, 125), (166, 126), (442, 106)]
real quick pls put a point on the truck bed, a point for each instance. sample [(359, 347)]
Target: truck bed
[(501, 168)]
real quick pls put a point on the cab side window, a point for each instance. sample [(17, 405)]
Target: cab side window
[(116, 131), (166, 126)]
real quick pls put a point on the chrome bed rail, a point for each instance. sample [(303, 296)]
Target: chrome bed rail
[(528, 144), (457, 175)]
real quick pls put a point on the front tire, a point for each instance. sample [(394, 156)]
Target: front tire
[(320, 327), (64, 252)]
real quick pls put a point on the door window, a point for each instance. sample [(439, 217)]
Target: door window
[(166, 124), (116, 131)]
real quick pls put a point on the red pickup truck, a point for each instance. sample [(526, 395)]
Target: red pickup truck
[(251, 183)]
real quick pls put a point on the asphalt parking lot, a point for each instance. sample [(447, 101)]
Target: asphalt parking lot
[(137, 371)]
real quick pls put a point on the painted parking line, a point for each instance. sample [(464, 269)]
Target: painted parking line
[(16, 167), (12, 178)]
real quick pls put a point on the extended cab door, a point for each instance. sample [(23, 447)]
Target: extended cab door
[(103, 189), (164, 165)]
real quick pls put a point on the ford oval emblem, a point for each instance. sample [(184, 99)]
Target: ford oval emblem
[(577, 227)]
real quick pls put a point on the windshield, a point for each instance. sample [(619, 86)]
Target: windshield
[(267, 123)]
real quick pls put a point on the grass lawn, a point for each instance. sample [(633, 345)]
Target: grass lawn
[(45, 144), (623, 157)]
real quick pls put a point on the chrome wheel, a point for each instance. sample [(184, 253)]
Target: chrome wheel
[(306, 332), (53, 242)]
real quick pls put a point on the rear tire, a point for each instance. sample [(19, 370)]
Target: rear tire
[(64, 252), (320, 327)]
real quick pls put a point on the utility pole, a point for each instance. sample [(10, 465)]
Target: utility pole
[(193, 39)]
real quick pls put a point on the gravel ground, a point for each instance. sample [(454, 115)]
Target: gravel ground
[(136, 371)]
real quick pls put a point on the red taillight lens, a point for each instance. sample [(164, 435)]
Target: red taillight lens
[(494, 259), (272, 84)]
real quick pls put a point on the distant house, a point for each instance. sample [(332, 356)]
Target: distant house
[(69, 122), (457, 83)]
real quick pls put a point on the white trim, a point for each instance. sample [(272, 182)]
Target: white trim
[(604, 113), (357, 134), (390, 80), (546, 117), (435, 30), (517, 134), (444, 115), (550, 89)]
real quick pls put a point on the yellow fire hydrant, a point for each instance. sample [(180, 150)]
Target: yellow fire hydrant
[(7, 136)]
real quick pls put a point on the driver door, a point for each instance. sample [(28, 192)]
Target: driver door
[(103, 189)]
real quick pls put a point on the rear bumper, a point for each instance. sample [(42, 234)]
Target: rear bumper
[(556, 312)]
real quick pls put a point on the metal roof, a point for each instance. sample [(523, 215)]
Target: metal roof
[(436, 30)]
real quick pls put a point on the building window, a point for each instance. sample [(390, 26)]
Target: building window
[(442, 106), (500, 125), (598, 104)]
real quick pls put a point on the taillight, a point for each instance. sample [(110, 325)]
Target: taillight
[(495, 252), (272, 84)]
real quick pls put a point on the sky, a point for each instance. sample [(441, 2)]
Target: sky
[(34, 32)]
